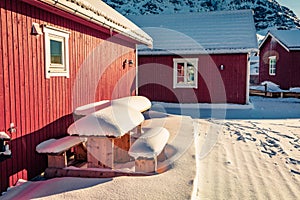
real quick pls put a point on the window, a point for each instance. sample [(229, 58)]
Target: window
[(272, 65), (56, 52), (185, 73)]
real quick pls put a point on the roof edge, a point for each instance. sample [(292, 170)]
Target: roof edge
[(190, 52), (269, 34), (88, 12)]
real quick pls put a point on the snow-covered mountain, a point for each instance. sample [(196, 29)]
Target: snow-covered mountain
[(267, 13)]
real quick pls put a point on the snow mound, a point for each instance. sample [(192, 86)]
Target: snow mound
[(295, 89), (271, 87), (268, 86)]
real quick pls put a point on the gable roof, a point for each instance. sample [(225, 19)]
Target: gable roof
[(206, 32), (100, 13), (288, 39)]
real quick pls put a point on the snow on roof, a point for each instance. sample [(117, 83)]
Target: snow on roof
[(290, 39), (206, 32), (102, 14)]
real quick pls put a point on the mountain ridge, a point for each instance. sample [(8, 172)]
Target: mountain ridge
[(268, 14)]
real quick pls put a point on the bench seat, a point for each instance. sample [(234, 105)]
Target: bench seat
[(56, 150), (148, 147)]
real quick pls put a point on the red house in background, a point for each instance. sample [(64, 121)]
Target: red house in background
[(55, 56), (197, 57), (280, 58)]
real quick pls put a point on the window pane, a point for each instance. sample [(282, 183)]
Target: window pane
[(56, 52), (190, 73), (180, 72), (272, 65)]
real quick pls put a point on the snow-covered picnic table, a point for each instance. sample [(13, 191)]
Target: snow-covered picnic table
[(107, 133)]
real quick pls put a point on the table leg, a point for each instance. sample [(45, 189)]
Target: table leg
[(100, 152), (121, 148)]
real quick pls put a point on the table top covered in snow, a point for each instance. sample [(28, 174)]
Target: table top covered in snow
[(139, 103), (113, 121)]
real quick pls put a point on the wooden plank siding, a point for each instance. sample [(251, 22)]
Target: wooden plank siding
[(287, 65), (214, 85), (42, 108)]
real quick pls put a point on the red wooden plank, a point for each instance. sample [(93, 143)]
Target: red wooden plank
[(11, 87), (3, 168), (2, 113), (30, 89), (27, 154), (41, 82), (22, 103), (47, 91), (17, 63), (26, 74)]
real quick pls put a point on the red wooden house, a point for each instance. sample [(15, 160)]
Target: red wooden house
[(55, 56), (280, 58), (197, 57)]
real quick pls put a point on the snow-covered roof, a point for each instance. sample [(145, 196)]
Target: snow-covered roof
[(289, 39), (99, 12), (205, 32)]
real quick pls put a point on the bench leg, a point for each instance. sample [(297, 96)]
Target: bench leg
[(80, 152), (162, 156), (57, 161), (147, 165)]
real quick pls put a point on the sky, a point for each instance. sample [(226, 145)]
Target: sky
[(294, 5)]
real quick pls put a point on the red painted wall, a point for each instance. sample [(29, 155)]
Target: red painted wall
[(42, 108), (214, 85), (287, 66)]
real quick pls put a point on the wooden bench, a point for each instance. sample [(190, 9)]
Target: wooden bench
[(56, 149), (147, 148)]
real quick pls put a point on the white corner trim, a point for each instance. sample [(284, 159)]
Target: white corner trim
[(248, 79)]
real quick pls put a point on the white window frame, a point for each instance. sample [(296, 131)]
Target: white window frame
[(54, 69), (272, 65), (193, 61)]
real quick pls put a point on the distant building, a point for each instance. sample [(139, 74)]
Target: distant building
[(47, 49), (197, 57), (280, 58)]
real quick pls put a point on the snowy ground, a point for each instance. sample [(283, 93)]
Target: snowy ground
[(252, 154), (249, 159), (259, 108)]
